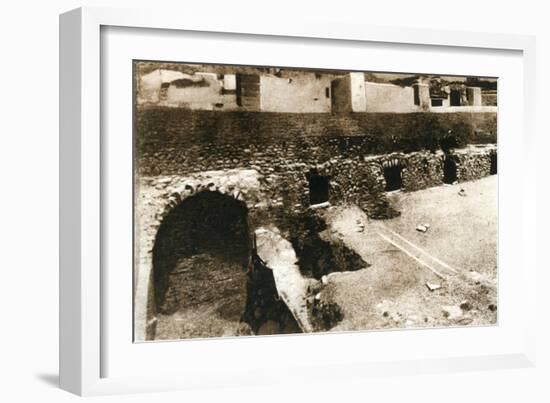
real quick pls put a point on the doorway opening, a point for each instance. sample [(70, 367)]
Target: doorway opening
[(392, 175), (318, 187), (200, 257), (493, 169), (455, 98), (449, 171)]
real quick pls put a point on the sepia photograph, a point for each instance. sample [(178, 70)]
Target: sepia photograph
[(283, 200)]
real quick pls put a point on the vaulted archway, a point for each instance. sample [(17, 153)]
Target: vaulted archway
[(392, 170), (200, 257)]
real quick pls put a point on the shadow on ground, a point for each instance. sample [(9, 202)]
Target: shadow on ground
[(49, 379)]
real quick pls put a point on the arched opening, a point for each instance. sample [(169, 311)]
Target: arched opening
[(318, 187), (449, 171), (392, 175), (200, 257), (493, 169)]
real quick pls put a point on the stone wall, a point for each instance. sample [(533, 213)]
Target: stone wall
[(270, 196), (424, 169), (177, 141), (265, 159), (284, 148), (474, 162), (155, 198)]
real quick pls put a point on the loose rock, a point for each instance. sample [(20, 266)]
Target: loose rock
[(475, 275), (421, 228), (452, 312), (465, 305), (433, 286)]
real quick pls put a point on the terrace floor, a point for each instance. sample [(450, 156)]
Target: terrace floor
[(457, 253)]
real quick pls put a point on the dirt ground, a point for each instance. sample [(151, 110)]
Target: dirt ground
[(208, 296), (456, 256), (393, 291)]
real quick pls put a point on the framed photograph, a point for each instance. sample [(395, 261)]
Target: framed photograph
[(320, 196)]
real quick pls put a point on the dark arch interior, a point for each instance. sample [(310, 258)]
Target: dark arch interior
[(201, 252), (449, 171), (392, 175), (318, 187), (493, 169)]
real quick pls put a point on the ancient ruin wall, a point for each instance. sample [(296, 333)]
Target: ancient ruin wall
[(474, 162), (359, 181), (177, 141), (424, 169), (283, 148), (263, 159)]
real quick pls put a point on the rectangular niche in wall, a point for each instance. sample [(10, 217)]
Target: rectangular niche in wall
[(318, 187), (450, 175)]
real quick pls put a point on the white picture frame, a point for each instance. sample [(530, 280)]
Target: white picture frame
[(83, 306)]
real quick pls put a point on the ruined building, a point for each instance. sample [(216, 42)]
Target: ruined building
[(202, 147), (307, 92)]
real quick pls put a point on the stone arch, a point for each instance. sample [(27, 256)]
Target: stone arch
[(392, 171), (208, 222), (165, 195)]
